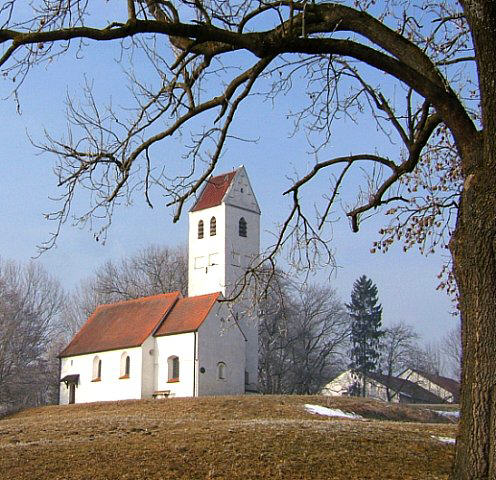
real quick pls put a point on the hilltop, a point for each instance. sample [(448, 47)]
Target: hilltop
[(248, 437)]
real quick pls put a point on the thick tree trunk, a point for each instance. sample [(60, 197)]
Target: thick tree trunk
[(473, 248)]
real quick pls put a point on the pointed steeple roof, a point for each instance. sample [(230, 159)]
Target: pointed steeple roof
[(214, 191)]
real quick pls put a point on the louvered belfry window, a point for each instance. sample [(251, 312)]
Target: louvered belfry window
[(213, 227), (243, 229)]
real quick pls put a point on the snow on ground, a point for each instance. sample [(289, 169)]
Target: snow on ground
[(449, 440), (450, 413), (331, 412)]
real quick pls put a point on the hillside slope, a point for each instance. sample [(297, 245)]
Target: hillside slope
[(251, 437)]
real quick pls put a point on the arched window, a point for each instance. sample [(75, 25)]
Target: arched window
[(173, 368), (97, 369), (125, 365), (213, 227), (242, 227), (221, 371), (200, 229)]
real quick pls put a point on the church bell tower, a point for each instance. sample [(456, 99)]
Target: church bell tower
[(224, 240)]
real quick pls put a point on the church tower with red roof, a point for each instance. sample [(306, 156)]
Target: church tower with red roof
[(224, 241)]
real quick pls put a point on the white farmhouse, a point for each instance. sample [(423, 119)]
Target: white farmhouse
[(446, 388), (169, 345), (381, 387)]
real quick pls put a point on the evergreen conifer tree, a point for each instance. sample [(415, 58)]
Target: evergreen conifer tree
[(366, 322)]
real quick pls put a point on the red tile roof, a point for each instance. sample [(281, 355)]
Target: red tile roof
[(188, 314), (214, 191), (121, 325)]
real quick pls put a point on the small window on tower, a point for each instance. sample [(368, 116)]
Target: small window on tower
[(242, 227), (200, 229), (213, 227)]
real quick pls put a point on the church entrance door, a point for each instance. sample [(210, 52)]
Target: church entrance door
[(72, 393)]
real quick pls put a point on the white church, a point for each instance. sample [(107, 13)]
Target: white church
[(168, 345)]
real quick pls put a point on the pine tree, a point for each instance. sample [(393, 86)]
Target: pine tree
[(365, 313)]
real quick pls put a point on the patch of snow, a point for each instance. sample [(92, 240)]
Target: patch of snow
[(448, 413), (449, 440), (331, 412)]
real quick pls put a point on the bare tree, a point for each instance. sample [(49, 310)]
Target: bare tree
[(153, 270), (397, 344), (426, 358), (320, 329), (441, 187), (452, 349), (275, 311), (303, 333), (30, 301)]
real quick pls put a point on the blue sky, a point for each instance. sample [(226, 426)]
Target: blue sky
[(406, 282)]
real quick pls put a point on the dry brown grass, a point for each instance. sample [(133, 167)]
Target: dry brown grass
[(251, 437)]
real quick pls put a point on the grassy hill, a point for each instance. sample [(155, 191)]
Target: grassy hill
[(251, 437)]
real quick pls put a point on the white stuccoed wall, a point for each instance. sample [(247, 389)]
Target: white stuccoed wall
[(148, 360), (183, 346), (220, 340), (241, 252), (420, 380), (110, 387), (206, 259), (341, 384)]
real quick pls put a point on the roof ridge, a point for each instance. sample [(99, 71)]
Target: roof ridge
[(202, 295), (137, 299), (225, 173)]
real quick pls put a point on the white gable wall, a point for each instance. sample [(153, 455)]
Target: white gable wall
[(342, 383), (181, 345), (220, 340), (424, 382), (241, 253), (110, 387)]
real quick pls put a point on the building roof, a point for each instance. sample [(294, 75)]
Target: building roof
[(129, 323), (121, 325), (406, 388), (188, 314), (214, 191), (71, 379), (448, 384)]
